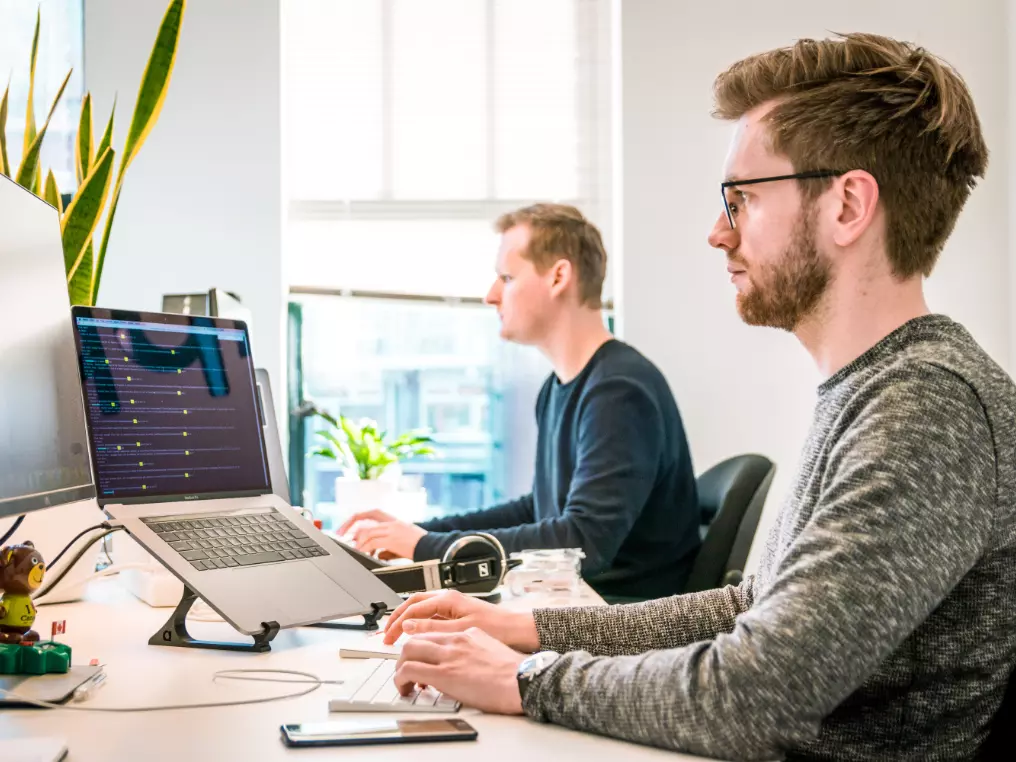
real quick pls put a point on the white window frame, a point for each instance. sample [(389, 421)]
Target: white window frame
[(595, 140)]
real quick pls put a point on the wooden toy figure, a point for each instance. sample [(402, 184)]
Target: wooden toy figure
[(21, 572)]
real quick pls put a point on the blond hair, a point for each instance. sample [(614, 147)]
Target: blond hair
[(559, 231)]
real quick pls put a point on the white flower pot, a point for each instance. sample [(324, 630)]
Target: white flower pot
[(353, 495)]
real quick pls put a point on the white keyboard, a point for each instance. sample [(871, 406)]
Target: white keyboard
[(379, 694)]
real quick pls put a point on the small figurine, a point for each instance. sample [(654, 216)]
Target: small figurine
[(21, 572)]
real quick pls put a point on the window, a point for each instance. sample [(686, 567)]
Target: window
[(409, 126), (60, 50)]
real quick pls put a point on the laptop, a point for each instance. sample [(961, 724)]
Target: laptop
[(180, 458)]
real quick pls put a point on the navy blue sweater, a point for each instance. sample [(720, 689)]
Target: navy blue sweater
[(613, 477)]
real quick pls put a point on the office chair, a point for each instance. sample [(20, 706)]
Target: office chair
[(731, 496), (1002, 735)]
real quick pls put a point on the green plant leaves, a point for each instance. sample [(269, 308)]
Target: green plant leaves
[(5, 165), (28, 172), (83, 144), (82, 216), (366, 449), (51, 193), (30, 109)]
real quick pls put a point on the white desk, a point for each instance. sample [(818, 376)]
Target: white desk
[(114, 627)]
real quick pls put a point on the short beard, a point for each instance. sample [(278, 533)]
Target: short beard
[(785, 293)]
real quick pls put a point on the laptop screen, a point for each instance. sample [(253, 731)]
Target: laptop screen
[(170, 404)]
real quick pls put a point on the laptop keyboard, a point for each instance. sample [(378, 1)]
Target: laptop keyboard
[(221, 542)]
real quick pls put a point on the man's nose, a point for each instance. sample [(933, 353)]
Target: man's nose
[(722, 236)]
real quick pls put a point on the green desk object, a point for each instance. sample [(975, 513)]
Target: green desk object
[(35, 659)]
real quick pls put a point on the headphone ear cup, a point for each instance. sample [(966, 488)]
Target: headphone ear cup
[(479, 545)]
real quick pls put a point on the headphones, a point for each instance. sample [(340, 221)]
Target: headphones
[(474, 563)]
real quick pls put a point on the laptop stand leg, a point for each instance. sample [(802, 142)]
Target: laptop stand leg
[(370, 620), (174, 632)]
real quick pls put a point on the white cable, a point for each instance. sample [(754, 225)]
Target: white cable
[(226, 674)]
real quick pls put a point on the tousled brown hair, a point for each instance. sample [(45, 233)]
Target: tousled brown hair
[(862, 101), (559, 231)]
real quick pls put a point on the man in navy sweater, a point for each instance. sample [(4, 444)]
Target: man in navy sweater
[(613, 469)]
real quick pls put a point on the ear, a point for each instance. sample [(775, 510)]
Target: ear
[(560, 276), (857, 200)]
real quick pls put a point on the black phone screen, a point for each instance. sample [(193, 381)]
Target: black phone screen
[(370, 731)]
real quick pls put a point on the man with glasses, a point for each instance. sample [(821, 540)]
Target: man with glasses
[(882, 621)]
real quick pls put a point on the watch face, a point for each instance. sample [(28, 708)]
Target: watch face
[(536, 663)]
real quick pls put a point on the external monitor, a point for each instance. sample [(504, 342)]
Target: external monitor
[(43, 442)]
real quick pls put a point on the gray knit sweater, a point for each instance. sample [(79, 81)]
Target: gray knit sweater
[(882, 621)]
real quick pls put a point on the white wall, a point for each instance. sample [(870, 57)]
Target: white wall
[(201, 203), (747, 389)]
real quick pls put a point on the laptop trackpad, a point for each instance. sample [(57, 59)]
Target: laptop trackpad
[(301, 591)]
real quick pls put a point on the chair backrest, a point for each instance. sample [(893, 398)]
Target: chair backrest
[(1002, 736), (731, 496)]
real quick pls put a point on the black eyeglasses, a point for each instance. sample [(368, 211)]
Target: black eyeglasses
[(818, 173)]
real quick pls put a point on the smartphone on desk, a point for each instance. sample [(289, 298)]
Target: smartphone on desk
[(356, 732)]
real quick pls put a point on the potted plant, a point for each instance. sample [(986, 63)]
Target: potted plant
[(370, 460), (99, 180)]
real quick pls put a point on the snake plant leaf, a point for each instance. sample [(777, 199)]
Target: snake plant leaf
[(83, 148), (107, 136), (82, 216), (5, 165), (79, 287), (52, 193), (30, 108), (151, 95), (28, 172)]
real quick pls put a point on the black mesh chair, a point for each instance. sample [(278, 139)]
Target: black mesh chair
[(1001, 743), (731, 495)]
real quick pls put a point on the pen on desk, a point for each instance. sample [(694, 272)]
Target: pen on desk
[(85, 690)]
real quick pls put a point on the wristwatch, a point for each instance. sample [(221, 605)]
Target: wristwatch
[(532, 666)]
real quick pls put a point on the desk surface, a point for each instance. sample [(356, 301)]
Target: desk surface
[(114, 627)]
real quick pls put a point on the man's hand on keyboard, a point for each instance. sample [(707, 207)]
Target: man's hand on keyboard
[(374, 515), (451, 611), (395, 537), (471, 667)]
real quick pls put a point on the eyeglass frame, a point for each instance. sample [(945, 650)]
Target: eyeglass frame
[(813, 175)]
